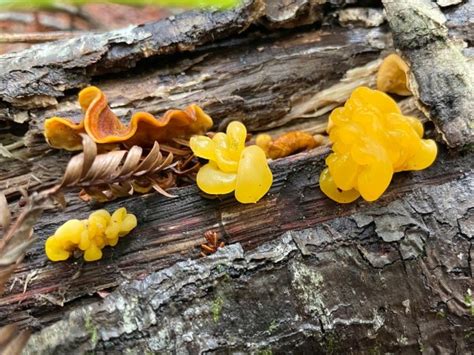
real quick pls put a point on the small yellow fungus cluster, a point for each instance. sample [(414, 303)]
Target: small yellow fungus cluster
[(90, 235), (371, 139), (232, 166)]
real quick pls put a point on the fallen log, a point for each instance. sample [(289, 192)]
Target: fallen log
[(301, 273)]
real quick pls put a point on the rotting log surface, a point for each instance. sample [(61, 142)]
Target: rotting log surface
[(418, 235), (38, 76), (169, 230), (278, 69), (389, 276)]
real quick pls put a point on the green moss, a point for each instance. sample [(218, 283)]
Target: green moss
[(469, 335), (468, 301), (330, 343), (91, 329), (266, 351), (216, 308), (273, 326), (220, 268), (375, 350)]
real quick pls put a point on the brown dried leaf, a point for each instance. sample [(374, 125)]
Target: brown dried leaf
[(105, 166), (89, 149), (110, 175), (149, 163), (17, 238), (133, 158), (164, 163), (5, 273), (14, 251), (159, 189), (6, 333)]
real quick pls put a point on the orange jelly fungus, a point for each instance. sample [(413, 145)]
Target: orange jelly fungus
[(372, 140), (103, 126), (286, 144), (90, 235)]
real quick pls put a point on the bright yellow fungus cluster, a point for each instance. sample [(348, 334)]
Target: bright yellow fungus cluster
[(90, 235), (232, 166), (372, 139)]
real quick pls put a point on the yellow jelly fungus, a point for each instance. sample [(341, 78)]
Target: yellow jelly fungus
[(393, 76), (90, 235), (232, 166), (371, 140)]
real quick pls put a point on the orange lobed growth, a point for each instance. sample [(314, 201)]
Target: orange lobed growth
[(103, 126), (286, 144)]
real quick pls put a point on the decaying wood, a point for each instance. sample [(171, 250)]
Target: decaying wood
[(164, 237), (443, 77), (60, 66), (266, 90), (390, 277), (299, 273), (276, 76), (57, 67)]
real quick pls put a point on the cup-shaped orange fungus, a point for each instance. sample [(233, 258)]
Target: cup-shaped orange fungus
[(232, 166), (371, 139), (103, 126), (90, 235)]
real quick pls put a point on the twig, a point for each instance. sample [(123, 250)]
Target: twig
[(37, 37)]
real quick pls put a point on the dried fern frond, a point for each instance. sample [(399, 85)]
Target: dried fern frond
[(17, 239), (118, 173), (13, 245)]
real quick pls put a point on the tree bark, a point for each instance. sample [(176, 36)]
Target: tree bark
[(387, 277), (300, 273), (443, 77)]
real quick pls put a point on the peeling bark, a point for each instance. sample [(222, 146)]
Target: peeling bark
[(443, 77), (64, 65), (37, 77)]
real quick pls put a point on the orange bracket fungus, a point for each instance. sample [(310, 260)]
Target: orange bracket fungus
[(286, 144), (232, 166), (372, 140), (392, 76), (103, 126), (90, 235)]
